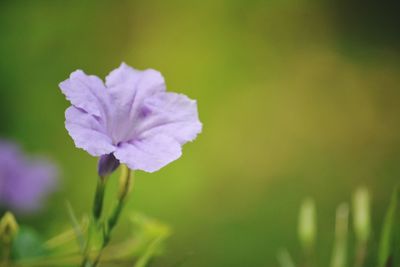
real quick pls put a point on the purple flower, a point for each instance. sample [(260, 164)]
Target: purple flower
[(24, 182), (130, 116)]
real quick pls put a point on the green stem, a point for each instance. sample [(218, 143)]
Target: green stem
[(112, 221), (98, 203), (99, 198), (309, 259), (85, 263), (125, 185), (339, 257), (361, 253)]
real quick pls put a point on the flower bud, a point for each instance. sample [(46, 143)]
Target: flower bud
[(107, 165), (125, 182), (361, 210), (307, 229), (8, 228)]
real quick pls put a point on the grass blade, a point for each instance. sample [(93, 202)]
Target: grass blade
[(77, 227), (339, 258), (284, 259), (389, 245), (361, 223)]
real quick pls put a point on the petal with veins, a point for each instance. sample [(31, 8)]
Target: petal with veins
[(150, 154), (126, 89), (131, 116), (87, 132), (171, 114), (86, 92)]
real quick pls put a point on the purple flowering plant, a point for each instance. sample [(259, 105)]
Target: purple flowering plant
[(130, 122), (24, 181), (129, 119)]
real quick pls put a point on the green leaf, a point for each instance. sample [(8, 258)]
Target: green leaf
[(146, 229), (151, 250), (389, 245), (150, 234), (76, 226), (284, 258), (27, 244)]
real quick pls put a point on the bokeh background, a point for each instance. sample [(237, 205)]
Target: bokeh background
[(298, 98)]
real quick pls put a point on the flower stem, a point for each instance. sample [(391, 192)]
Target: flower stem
[(99, 198), (125, 186), (98, 203)]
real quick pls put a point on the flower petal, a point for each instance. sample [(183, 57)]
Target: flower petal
[(87, 132), (130, 78), (28, 189), (126, 90), (86, 92), (171, 114), (24, 182), (150, 154)]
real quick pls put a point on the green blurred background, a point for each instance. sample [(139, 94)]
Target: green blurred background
[(298, 98)]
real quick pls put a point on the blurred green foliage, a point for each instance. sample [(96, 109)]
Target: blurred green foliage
[(351, 246), (26, 247), (297, 97)]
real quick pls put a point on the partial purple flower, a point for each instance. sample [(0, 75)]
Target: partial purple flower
[(130, 116), (24, 182)]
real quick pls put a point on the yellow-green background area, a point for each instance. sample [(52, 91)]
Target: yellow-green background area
[(298, 98)]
